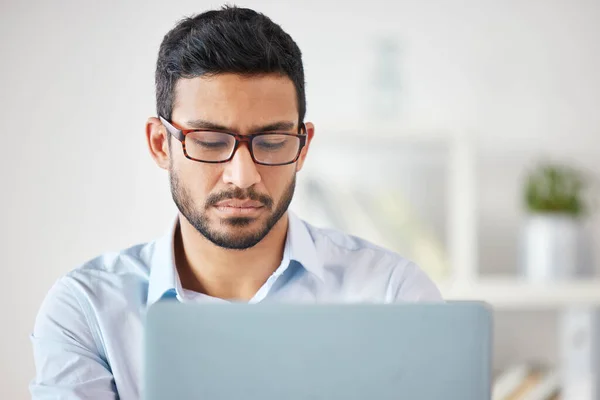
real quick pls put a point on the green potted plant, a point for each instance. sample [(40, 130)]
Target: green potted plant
[(554, 241)]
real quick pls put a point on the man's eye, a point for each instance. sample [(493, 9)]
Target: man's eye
[(271, 145), (211, 145)]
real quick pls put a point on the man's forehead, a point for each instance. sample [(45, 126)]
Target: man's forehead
[(235, 101)]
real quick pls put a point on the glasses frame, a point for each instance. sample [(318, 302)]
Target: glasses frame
[(180, 135)]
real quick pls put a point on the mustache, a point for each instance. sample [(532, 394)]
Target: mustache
[(239, 194)]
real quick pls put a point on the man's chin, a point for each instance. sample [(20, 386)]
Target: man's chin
[(238, 222), (234, 239)]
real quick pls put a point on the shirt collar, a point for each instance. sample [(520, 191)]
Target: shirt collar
[(302, 246), (164, 279)]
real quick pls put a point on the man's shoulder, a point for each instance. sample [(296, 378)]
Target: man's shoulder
[(106, 287), (367, 262), (121, 271)]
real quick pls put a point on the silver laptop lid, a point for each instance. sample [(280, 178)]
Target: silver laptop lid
[(329, 352)]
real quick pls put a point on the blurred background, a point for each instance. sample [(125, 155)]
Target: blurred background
[(463, 134)]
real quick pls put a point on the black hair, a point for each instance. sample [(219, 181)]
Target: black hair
[(230, 40)]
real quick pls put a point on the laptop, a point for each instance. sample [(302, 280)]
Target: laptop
[(320, 351)]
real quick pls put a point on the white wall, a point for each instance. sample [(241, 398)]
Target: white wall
[(76, 86)]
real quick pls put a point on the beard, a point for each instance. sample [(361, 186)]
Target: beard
[(225, 238)]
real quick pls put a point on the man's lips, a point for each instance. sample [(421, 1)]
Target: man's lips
[(241, 204), (239, 207)]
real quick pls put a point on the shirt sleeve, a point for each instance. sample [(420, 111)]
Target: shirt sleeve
[(68, 362), (413, 285)]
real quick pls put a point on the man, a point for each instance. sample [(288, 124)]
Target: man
[(230, 131)]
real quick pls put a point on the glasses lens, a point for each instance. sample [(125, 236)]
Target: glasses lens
[(275, 148), (209, 146)]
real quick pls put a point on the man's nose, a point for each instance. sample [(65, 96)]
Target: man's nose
[(241, 170)]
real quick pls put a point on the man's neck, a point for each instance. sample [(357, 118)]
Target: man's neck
[(228, 274)]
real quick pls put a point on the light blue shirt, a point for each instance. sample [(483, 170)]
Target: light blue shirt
[(87, 338)]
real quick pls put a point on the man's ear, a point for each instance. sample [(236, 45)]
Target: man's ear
[(310, 133), (157, 139)]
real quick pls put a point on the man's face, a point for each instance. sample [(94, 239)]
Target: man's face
[(233, 204)]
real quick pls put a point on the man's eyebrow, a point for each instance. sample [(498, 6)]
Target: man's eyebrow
[(272, 127), (203, 124), (275, 126)]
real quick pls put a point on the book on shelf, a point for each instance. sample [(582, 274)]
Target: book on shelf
[(527, 382)]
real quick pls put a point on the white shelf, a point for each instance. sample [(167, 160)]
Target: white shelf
[(507, 293)]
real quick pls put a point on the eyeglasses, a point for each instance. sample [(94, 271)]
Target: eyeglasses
[(210, 146)]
